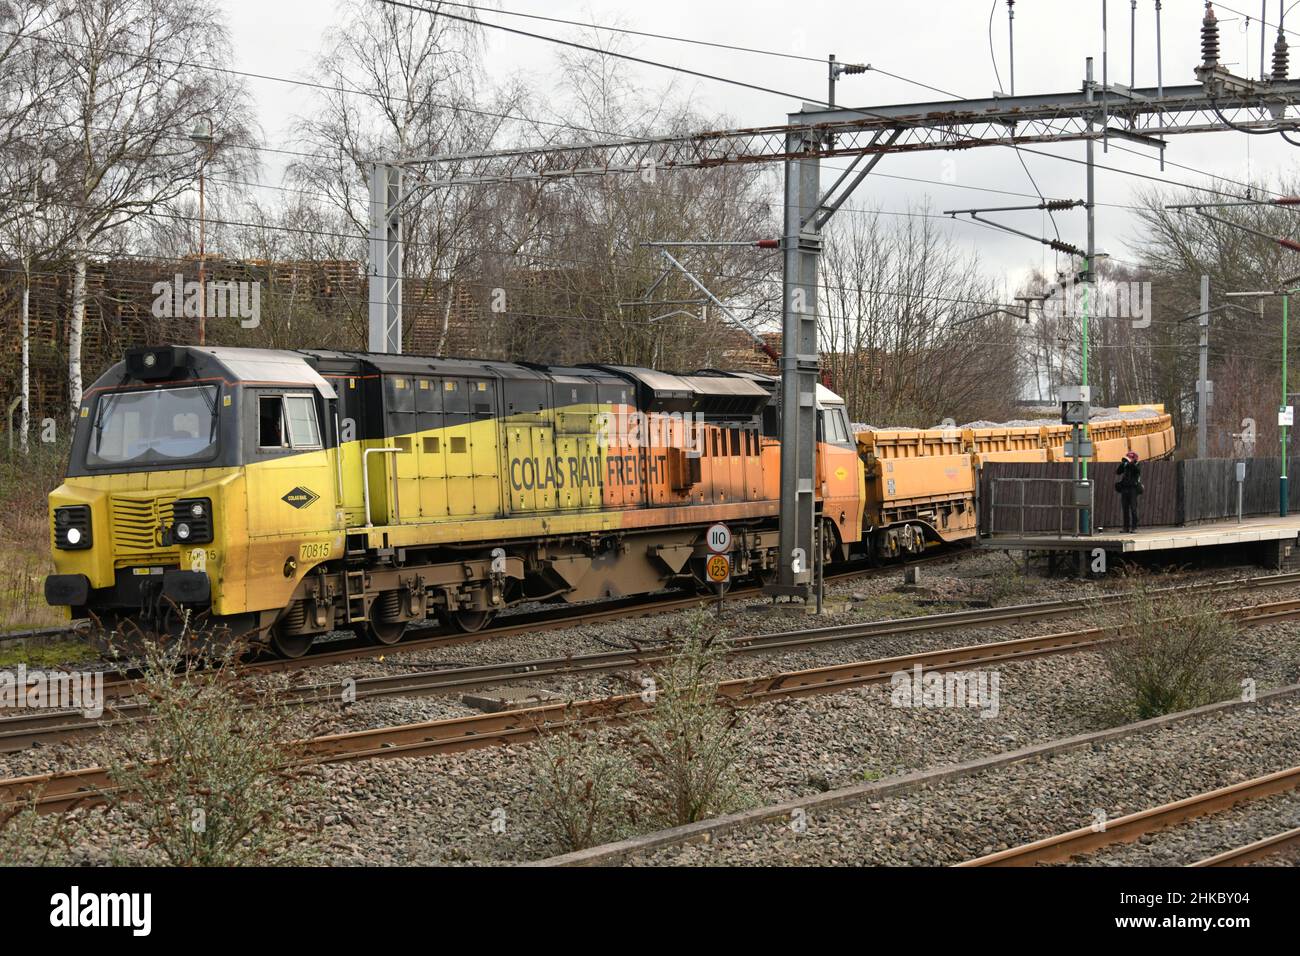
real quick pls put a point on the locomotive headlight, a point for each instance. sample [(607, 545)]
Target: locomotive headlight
[(150, 360), (72, 527), (192, 520)]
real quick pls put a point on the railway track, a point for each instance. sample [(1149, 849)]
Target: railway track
[(121, 683), (20, 732), (1134, 826), (533, 622), (1259, 850), (60, 791)]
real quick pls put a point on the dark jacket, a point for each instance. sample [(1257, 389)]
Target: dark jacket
[(1130, 477)]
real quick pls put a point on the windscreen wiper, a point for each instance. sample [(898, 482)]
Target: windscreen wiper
[(211, 402), (108, 401)]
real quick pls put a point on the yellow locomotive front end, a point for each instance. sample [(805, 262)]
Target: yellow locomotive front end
[(150, 528)]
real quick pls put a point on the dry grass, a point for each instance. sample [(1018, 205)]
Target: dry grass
[(25, 483)]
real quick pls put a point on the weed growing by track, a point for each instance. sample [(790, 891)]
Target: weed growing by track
[(210, 781), (1175, 651), (690, 743), (584, 780), (28, 838), (1007, 586), (676, 762)]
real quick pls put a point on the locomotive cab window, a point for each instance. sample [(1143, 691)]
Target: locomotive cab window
[(287, 421), (155, 427), (834, 426)]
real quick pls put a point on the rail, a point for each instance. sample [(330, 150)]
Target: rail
[(62, 790)]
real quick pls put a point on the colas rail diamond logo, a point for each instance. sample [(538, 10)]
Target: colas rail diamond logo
[(300, 497)]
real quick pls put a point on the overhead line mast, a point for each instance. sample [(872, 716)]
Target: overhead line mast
[(1221, 101)]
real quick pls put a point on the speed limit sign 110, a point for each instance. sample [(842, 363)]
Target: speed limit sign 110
[(719, 538)]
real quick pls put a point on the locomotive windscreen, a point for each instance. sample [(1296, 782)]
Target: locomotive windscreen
[(153, 427)]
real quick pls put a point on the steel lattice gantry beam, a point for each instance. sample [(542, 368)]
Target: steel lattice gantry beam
[(1219, 103), (951, 124)]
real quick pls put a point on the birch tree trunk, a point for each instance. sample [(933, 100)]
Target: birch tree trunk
[(76, 322), (26, 414), (446, 321)]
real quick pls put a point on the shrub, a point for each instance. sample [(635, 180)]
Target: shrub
[(690, 742), (28, 838), (208, 777), (583, 779), (1174, 652)]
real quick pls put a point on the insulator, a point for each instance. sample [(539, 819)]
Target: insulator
[(1280, 57), (1209, 38)]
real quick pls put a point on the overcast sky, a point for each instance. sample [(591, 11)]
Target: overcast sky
[(944, 43)]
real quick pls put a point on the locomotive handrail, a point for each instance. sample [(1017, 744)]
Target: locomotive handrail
[(365, 480)]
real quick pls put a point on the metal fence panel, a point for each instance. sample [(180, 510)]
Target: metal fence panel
[(1158, 505)]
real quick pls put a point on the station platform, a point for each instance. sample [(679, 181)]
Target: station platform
[(1206, 535)]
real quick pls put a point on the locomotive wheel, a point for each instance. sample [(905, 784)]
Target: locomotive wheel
[(470, 622), (290, 645), (384, 632), (381, 629)]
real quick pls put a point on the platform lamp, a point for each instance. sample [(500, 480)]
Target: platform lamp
[(202, 135)]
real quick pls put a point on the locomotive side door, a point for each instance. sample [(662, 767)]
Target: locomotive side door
[(291, 485)]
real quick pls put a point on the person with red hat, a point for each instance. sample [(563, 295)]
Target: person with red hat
[(1129, 487)]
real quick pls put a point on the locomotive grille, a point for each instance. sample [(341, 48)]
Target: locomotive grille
[(136, 523)]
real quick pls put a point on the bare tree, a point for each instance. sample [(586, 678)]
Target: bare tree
[(1176, 247), (576, 267), (136, 85), (901, 325), (33, 221), (404, 84)]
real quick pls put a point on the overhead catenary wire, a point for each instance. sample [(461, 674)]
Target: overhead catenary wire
[(1127, 172), (538, 122)]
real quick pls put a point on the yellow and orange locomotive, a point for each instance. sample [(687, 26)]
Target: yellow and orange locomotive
[(288, 494)]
